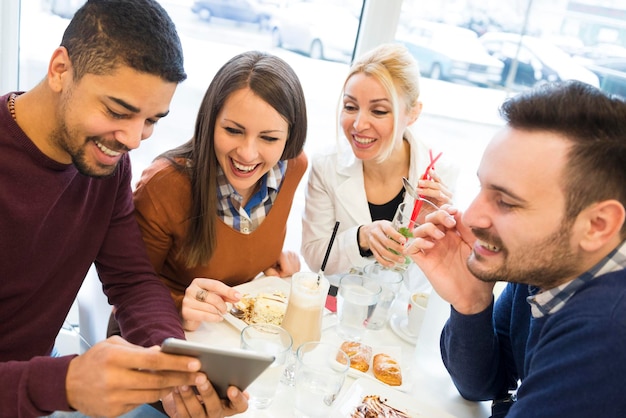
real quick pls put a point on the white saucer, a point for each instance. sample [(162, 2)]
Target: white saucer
[(399, 325)]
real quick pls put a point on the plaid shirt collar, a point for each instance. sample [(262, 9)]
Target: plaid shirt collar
[(550, 301), (227, 196)]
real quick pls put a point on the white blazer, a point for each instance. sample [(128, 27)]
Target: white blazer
[(336, 192)]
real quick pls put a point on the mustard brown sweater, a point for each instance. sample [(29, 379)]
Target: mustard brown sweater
[(162, 204)]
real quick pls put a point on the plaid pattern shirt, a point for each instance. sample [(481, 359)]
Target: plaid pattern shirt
[(552, 300), (246, 219)]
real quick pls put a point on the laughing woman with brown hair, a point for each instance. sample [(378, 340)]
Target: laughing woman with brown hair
[(213, 211)]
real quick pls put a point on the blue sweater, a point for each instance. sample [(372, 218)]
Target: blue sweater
[(571, 363)]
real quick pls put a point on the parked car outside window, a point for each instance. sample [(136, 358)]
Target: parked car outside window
[(612, 75), (537, 60), (244, 11), (321, 30), (451, 53)]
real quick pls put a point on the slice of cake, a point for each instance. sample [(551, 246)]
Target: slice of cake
[(269, 308)]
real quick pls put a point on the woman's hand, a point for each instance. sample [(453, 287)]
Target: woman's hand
[(434, 190), (287, 265), (385, 243), (205, 300)]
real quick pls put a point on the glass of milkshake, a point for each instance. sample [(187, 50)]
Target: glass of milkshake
[(305, 308)]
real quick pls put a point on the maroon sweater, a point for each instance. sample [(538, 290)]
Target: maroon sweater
[(54, 222)]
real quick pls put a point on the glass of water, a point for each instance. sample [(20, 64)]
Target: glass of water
[(356, 302), (391, 282), (267, 339), (320, 373)]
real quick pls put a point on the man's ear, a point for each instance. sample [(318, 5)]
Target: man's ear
[(602, 222), (59, 69)]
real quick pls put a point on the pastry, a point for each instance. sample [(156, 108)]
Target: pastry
[(360, 355), (387, 370), (374, 407)]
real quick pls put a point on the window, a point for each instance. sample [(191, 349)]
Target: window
[(461, 94), (460, 107)]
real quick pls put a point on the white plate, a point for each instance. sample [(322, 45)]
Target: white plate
[(396, 353), (268, 284), (399, 325), (347, 402)]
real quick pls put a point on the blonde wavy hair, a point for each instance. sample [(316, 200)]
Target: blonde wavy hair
[(393, 66)]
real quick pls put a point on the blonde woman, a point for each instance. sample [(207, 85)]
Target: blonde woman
[(361, 187)]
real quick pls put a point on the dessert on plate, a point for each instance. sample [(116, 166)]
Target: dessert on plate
[(360, 355), (374, 407), (387, 370), (263, 308)]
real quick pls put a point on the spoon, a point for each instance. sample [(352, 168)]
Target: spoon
[(236, 312), (409, 188)]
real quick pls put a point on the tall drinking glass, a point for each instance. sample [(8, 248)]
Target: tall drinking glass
[(390, 281), (356, 301), (267, 339), (305, 307), (320, 373), (303, 318)]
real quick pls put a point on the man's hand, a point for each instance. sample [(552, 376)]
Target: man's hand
[(115, 376), (441, 249), (185, 402)]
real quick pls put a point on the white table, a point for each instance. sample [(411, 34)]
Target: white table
[(422, 363)]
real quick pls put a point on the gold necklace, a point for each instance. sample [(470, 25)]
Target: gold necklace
[(12, 105)]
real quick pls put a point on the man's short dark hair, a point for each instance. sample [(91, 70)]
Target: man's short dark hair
[(595, 125), (106, 34)]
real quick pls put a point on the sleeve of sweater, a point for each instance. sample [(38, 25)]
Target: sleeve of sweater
[(33, 388), (162, 199), (144, 308), (476, 351)]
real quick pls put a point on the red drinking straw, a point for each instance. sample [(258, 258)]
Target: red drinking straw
[(425, 176)]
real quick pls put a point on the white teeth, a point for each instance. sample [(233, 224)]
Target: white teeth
[(364, 141), (107, 151), (242, 167), (488, 246)]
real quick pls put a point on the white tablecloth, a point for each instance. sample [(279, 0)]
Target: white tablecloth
[(428, 380)]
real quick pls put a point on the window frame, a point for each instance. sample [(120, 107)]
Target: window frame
[(9, 45)]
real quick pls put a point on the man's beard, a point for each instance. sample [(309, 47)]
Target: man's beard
[(545, 264), (62, 137)]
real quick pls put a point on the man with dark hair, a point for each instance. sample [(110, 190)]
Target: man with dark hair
[(66, 202), (549, 220)]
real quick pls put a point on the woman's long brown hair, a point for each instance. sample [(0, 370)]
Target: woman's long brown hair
[(274, 81)]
